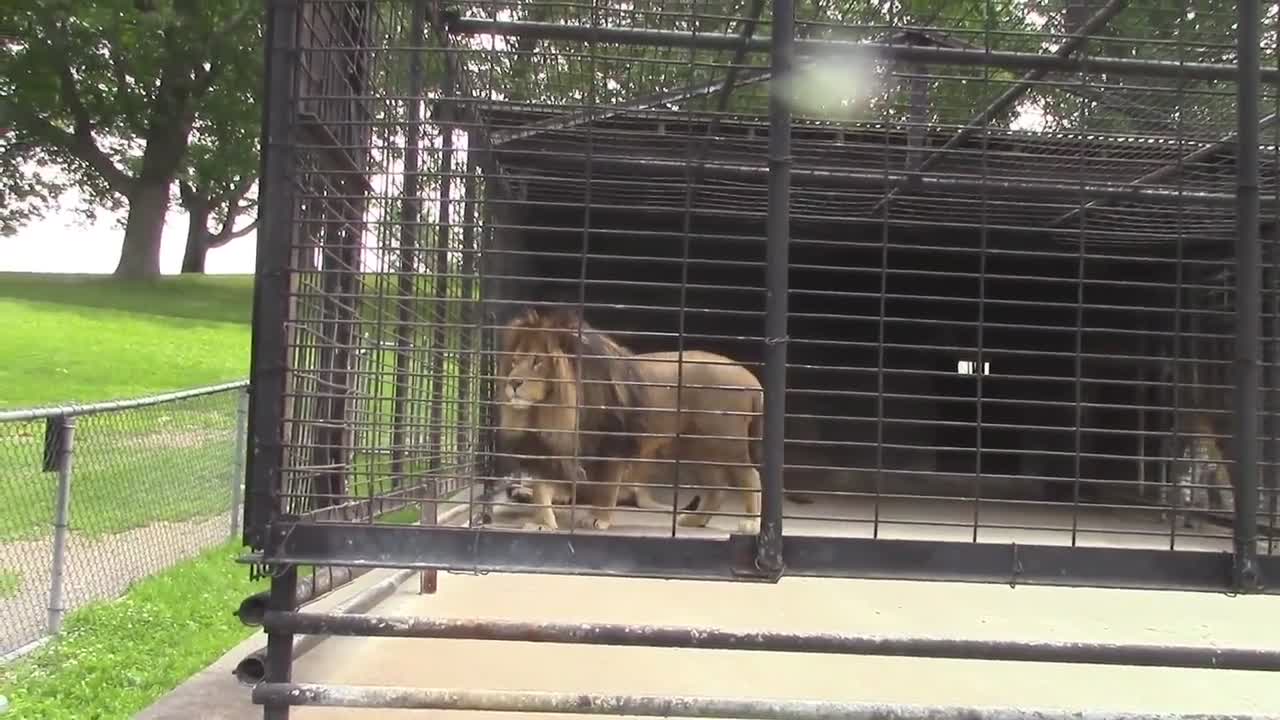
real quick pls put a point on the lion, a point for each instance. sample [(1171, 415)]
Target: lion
[(1202, 455), (553, 360)]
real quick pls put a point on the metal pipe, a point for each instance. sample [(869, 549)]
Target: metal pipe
[(1248, 298), (930, 55), (65, 439), (116, 405), (530, 701), (239, 459), (777, 266), (1015, 92), (848, 177), (672, 636), (252, 669), (279, 661)]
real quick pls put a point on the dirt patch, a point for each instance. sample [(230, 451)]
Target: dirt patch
[(98, 568)]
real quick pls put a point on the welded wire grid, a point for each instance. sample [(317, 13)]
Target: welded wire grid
[(383, 375), (1031, 340), (148, 487)]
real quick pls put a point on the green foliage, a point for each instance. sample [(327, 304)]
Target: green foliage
[(109, 93), (116, 657)]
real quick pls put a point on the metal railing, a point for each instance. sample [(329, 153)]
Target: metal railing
[(96, 497)]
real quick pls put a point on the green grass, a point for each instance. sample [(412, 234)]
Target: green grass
[(10, 581), (74, 338), (117, 657)]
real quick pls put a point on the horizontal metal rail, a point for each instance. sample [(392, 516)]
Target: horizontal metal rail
[(706, 558), (871, 51), (526, 701), (1179, 656), (115, 405)]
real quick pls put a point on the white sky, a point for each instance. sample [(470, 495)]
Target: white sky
[(65, 243)]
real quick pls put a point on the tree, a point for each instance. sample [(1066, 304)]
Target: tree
[(221, 166), (109, 92), (223, 208)]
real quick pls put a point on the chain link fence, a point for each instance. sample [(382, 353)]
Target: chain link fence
[(96, 497)]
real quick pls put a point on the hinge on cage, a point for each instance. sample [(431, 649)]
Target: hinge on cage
[(259, 571)]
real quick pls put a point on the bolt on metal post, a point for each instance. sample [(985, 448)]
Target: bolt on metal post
[(61, 524), (238, 461)]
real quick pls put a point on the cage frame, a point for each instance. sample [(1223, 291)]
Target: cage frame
[(280, 541)]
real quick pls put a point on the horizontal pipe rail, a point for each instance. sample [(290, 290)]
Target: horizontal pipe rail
[(525, 701), (115, 405), (872, 51), (768, 641)]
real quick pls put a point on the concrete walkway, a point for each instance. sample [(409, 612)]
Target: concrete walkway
[(877, 607), (797, 604)]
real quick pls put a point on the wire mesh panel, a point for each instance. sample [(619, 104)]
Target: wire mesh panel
[(98, 497), (986, 292)]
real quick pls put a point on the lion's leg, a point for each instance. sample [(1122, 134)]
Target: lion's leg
[(644, 498), (748, 479), (712, 481), (601, 516), (1226, 491), (544, 516)]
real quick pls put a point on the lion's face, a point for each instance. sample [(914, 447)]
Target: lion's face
[(528, 381)]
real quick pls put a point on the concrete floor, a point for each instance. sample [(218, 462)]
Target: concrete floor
[(866, 607), (873, 607)]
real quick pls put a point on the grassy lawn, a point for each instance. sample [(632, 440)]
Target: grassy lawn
[(71, 338), (10, 581), (117, 657), (91, 338)]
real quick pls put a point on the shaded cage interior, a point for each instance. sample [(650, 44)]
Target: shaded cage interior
[(1006, 289)]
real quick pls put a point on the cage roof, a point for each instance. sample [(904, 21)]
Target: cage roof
[(1100, 188)]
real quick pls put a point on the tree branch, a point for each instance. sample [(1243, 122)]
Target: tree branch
[(80, 141), (225, 237)]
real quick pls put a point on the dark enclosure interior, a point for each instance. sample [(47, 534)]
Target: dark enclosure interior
[(888, 319)]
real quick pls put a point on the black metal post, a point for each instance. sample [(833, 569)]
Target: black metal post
[(777, 262), (284, 588), (1248, 298), (271, 284)]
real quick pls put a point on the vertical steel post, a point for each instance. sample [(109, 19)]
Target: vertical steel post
[(239, 459), (279, 666), (1248, 297), (777, 261), (272, 277), (61, 523)]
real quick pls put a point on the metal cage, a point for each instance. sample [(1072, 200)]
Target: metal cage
[(1007, 279)]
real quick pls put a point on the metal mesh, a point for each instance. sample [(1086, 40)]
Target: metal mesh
[(147, 483), (1012, 294)]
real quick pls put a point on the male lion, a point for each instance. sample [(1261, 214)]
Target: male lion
[(576, 399)]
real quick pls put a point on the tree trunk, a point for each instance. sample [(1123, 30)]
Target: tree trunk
[(144, 228), (197, 242)]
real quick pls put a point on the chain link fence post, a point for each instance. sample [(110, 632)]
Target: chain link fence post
[(59, 445), (238, 462)]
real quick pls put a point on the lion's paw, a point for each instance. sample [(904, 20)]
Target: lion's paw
[(691, 520), (750, 526)]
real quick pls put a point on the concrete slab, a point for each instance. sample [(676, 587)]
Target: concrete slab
[(867, 607), (874, 607), (215, 694)]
